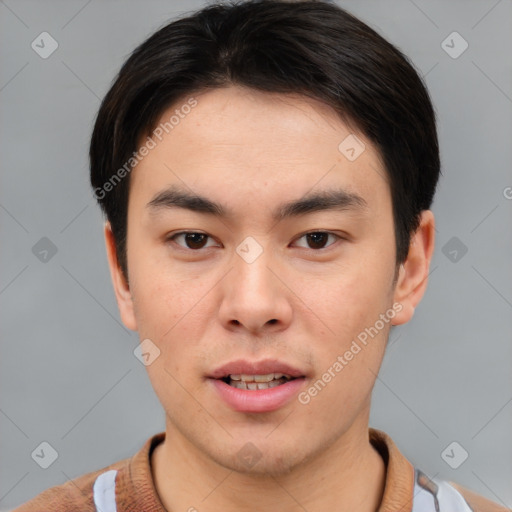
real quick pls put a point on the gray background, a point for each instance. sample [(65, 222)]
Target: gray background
[(68, 373)]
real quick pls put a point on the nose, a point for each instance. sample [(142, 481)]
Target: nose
[(255, 297)]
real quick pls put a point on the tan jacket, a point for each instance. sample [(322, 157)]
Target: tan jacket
[(127, 486)]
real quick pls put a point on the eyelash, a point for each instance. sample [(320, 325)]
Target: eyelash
[(172, 238)]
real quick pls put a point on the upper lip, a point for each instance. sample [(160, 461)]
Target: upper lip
[(264, 367)]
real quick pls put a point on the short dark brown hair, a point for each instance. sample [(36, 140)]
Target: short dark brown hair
[(314, 48)]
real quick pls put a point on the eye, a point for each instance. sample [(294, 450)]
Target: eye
[(192, 239), (318, 239), (195, 241)]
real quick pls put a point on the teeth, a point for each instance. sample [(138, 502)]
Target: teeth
[(263, 378), (259, 378), (255, 385)]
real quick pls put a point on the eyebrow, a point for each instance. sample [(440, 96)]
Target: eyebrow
[(334, 199)]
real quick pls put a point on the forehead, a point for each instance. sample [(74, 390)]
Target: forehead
[(252, 145)]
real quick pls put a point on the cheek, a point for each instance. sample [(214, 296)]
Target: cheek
[(173, 312), (345, 394), (164, 300), (350, 304), (350, 299), (168, 378), (348, 363)]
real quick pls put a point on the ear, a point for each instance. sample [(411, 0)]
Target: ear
[(121, 287), (413, 273)]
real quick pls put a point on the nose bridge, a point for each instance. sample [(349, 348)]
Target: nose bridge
[(253, 295), (251, 272)]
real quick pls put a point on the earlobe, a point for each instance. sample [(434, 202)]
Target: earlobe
[(121, 287), (413, 273)]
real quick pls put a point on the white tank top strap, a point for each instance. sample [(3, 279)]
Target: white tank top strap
[(104, 491)]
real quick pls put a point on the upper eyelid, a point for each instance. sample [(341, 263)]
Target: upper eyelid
[(337, 236), (174, 235)]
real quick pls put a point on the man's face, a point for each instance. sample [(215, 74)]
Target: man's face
[(253, 286)]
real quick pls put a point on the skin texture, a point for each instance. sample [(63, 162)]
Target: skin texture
[(297, 302)]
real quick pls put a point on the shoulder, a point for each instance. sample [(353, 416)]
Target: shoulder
[(443, 495), (408, 488), (477, 502), (74, 495)]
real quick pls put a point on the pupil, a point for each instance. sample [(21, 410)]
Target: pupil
[(318, 238), (193, 240)]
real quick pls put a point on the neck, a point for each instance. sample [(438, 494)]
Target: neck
[(348, 475)]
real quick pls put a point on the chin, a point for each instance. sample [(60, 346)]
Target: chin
[(267, 462)]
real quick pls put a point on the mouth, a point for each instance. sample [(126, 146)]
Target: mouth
[(255, 382), (257, 387)]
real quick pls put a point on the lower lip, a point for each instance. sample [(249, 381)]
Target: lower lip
[(258, 400)]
